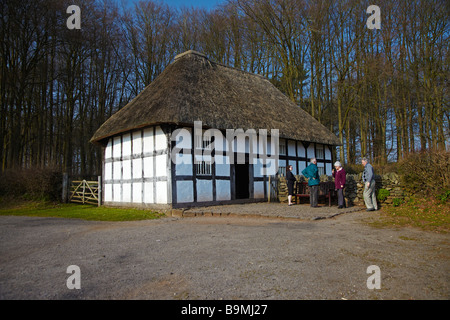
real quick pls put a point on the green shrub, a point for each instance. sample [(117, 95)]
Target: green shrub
[(444, 197), (397, 202), (382, 194)]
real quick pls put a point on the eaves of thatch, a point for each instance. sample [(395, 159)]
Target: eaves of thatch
[(193, 88)]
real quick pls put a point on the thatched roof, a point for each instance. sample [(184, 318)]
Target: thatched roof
[(193, 88)]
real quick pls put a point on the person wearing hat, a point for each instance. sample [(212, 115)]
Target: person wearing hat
[(368, 178), (339, 183)]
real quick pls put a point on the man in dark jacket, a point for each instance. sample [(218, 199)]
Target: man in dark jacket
[(312, 173)]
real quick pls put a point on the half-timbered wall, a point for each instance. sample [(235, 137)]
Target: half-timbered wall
[(136, 168)]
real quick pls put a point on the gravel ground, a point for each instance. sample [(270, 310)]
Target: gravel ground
[(230, 257)]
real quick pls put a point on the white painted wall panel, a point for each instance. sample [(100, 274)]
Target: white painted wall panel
[(327, 153), (148, 140), (328, 168), (137, 142), (108, 149), (117, 147), (117, 191), (117, 170), (137, 192), (126, 190), (300, 149), (137, 168), (223, 190), (291, 148), (204, 190), (126, 145), (108, 171), (161, 165), (222, 166), (161, 192), (160, 139), (108, 192), (311, 153), (301, 167), (148, 192), (183, 164), (126, 169), (148, 167), (185, 191), (258, 189)]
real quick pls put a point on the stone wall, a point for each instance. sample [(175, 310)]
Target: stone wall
[(389, 182)]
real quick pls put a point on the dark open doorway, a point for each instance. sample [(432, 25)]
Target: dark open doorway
[(242, 180)]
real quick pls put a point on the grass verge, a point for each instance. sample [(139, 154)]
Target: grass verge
[(74, 211), (426, 214)]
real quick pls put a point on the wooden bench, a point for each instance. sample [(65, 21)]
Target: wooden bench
[(326, 191)]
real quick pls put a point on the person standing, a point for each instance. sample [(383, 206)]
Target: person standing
[(339, 175), (312, 173), (368, 178), (290, 180)]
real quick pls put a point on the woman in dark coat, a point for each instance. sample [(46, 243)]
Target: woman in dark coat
[(290, 180), (339, 183)]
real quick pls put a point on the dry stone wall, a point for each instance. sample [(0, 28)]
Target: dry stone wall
[(388, 187)]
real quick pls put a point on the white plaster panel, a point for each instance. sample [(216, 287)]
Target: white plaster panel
[(258, 189), (117, 192), (148, 140), (185, 191), (126, 169), (126, 192), (137, 192), (204, 190), (300, 149), (126, 145), (108, 171), (327, 153), (148, 192), (108, 149), (291, 148), (183, 164), (137, 142), (161, 192), (137, 168), (108, 192), (223, 190), (311, 153), (148, 167), (117, 170), (161, 165), (160, 139), (117, 147)]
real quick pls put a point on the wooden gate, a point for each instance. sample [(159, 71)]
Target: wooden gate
[(273, 188), (85, 192)]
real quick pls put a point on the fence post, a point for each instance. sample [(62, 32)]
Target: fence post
[(99, 195), (65, 187), (84, 189)]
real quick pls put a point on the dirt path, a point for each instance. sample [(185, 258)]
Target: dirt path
[(220, 258)]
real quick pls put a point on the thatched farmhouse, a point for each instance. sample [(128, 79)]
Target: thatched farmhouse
[(153, 156)]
